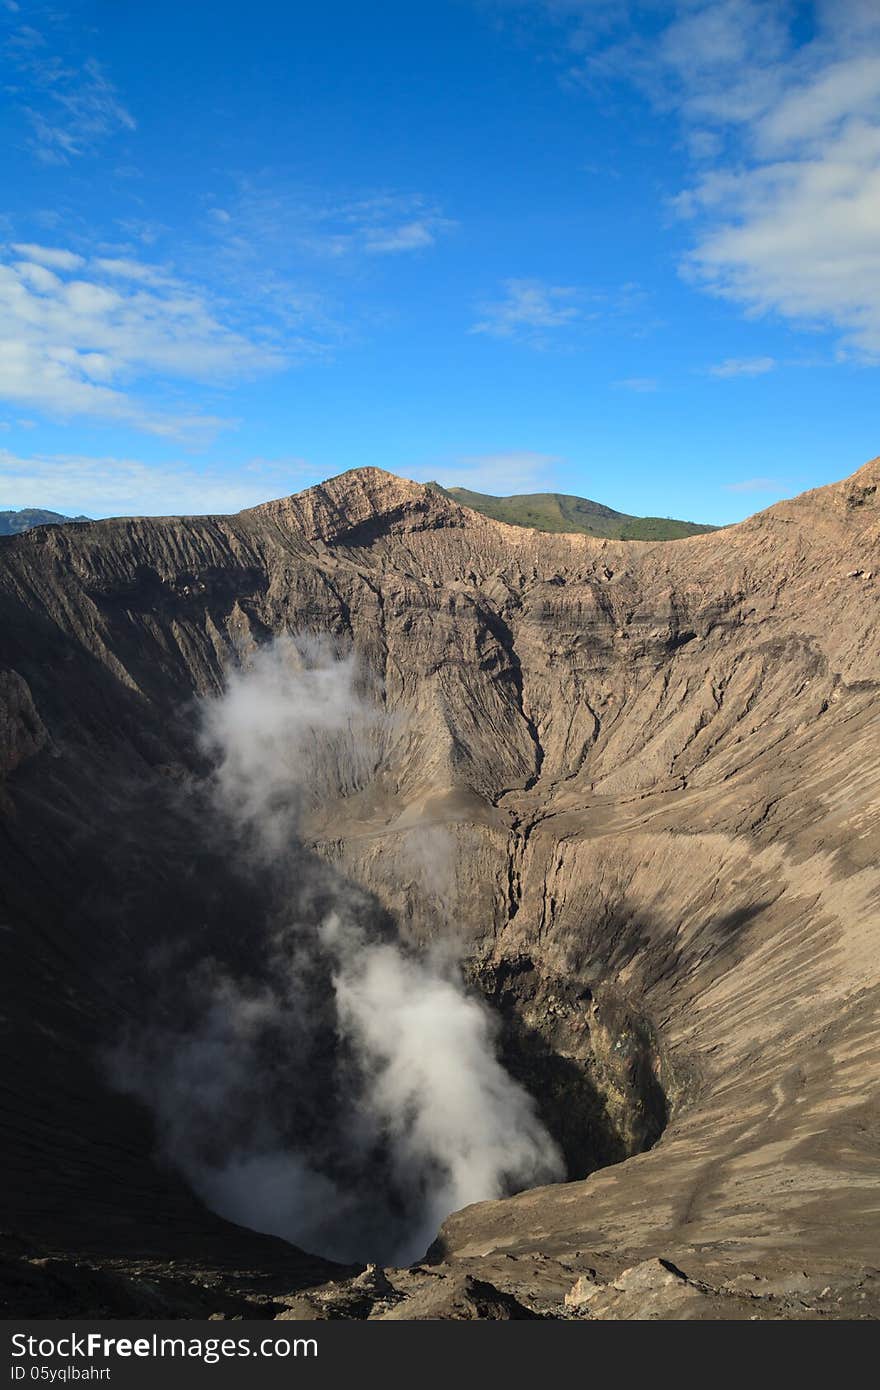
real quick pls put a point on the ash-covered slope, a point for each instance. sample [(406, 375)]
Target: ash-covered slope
[(652, 778)]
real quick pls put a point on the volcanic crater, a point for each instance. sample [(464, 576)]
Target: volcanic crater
[(630, 789)]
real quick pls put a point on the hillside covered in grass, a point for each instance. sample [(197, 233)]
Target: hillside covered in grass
[(555, 511)]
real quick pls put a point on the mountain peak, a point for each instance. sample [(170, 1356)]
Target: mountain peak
[(342, 505)]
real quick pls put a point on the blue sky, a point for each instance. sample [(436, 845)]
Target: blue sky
[(630, 251)]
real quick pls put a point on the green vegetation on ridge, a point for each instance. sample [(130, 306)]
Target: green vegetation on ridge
[(556, 511)]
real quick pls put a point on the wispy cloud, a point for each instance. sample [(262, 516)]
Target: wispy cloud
[(756, 485), (639, 384), (792, 228), (527, 311), (144, 232), (509, 471), (784, 206), (385, 224), (74, 483), (124, 268), (408, 236), (743, 366), (52, 256), (264, 213), (75, 336), (71, 106), (309, 260)]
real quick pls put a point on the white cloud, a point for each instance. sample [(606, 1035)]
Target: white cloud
[(51, 256), (126, 269), (527, 306), (756, 485), (73, 483), (409, 236), (794, 227), (74, 337), (815, 109), (386, 224), (800, 237), (38, 277), (780, 106), (513, 471), (640, 384), (743, 366)]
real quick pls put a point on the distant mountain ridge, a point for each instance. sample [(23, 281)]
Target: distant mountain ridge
[(12, 523), (543, 511), (557, 511)]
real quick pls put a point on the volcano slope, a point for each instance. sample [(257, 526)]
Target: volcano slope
[(634, 786)]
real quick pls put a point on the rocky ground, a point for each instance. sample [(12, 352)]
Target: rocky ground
[(651, 773)]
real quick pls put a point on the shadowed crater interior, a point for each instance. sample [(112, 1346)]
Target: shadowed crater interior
[(585, 1054)]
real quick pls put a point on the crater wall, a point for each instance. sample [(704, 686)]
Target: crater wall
[(640, 778)]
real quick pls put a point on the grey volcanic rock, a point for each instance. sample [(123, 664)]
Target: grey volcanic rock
[(648, 777), (22, 732), (459, 1297)]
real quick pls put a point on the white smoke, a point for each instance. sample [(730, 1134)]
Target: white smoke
[(461, 1130), (360, 1147), (290, 731)]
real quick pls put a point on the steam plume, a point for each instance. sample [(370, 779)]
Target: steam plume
[(343, 1093)]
